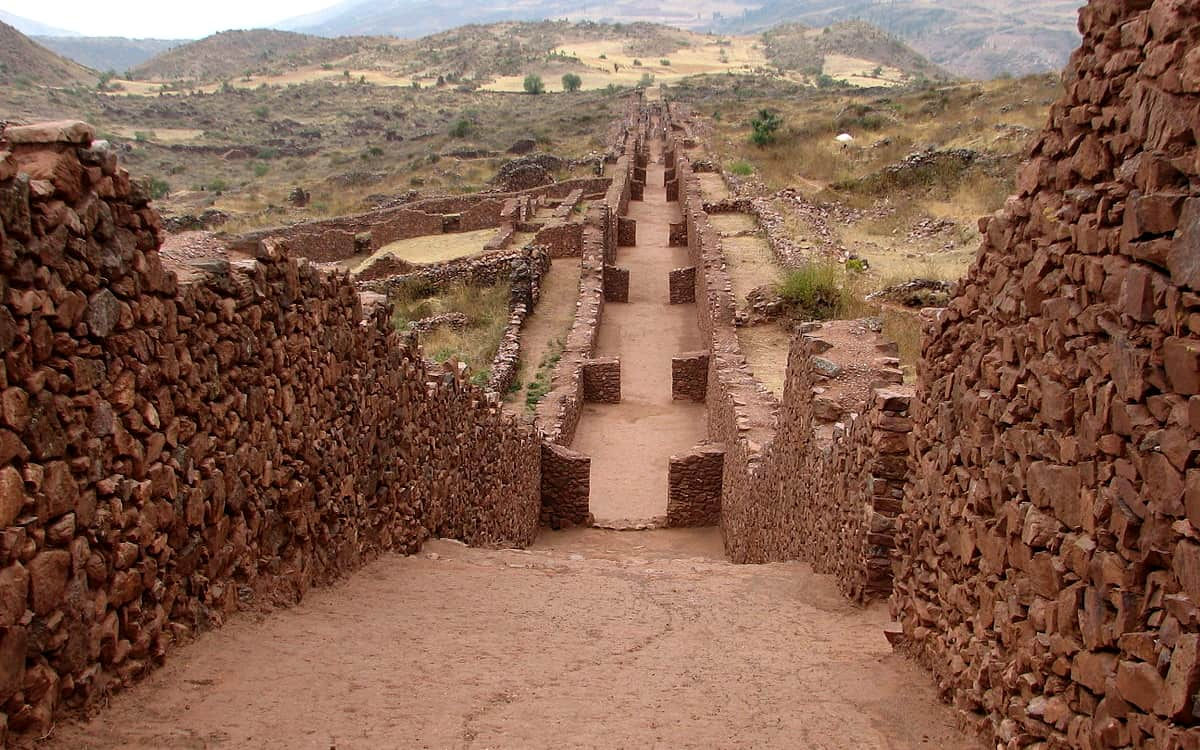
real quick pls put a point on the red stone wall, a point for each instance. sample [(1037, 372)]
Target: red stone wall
[(689, 376), (564, 240), (1050, 573), (179, 438), (694, 487), (602, 380), (682, 285)]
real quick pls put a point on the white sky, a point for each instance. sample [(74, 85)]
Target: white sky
[(162, 19)]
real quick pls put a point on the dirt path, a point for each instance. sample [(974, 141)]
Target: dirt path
[(630, 443), (591, 640)]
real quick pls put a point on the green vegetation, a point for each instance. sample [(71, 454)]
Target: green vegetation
[(742, 168), (817, 291), (534, 84), (665, 62), (764, 125), (461, 128), (540, 385), (571, 82), (159, 189), (476, 344)]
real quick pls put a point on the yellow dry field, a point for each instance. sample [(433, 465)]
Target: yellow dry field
[(859, 72), (702, 55), (434, 248), (310, 74), (733, 223), (159, 135), (751, 264), (766, 350), (712, 186)]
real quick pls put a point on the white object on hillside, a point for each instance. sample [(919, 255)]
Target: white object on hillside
[(845, 138)]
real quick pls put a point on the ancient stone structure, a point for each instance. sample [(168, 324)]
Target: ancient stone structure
[(694, 481), (689, 376), (682, 283), (602, 380), (616, 284), (1049, 567), (566, 487), (178, 438)]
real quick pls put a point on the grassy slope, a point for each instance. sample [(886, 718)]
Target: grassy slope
[(25, 63)]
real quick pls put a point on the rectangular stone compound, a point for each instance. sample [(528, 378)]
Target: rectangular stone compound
[(602, 381), (694, 480), (566, 486), (672, 191), (616, 284), (626, 232), (689, 377), (683, 285)]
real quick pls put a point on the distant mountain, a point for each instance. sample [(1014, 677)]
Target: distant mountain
[(234, 53), (24, 62), (33, 28), (416, 18), (970, 38), (108, 52)]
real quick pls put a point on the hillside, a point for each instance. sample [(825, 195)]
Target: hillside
[(24, 63), (107, 52), (795, 47), (971, 38), (240, 53)]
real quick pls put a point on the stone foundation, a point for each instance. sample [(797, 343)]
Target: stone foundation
[(678, 235), (694, 480), (602, 381), (626, 232), (616, 284), (689, 377), (683, 286), (566, 487)]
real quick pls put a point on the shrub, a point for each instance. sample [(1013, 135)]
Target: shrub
[(646, 82), (534, 84), (571, 82), (765, 124), (817, 291), (461, 128), (742, 168), (637, 63), (217, 186), (857, 265), (665, 62), (260, 169), (159, 188), (261, 112)]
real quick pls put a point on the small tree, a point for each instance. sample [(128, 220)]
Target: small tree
[(534, 84), (765, 124), (571, 82)]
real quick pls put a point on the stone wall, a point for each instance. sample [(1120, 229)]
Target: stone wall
[(328, 240), (566, 487), (564, 240), (694, 487), (1050, 566), (616, 284), (626, 232), (179, 439), (840, 517), (689, 376), (682, 286), (602, 381)]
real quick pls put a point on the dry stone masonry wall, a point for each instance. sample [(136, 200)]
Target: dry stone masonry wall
[(179, 440), (1050, 566)]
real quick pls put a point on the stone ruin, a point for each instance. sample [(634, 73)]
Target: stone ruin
[(179, 438)]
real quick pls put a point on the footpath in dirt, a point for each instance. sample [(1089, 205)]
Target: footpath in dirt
[(592, 639), (631, 443)]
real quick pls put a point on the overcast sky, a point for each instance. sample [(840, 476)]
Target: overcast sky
[(163, 19)]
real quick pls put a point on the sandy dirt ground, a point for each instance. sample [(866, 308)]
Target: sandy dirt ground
[(592, 639), (631, 443)]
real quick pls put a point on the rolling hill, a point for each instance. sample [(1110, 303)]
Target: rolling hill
[(24, 63), (107, 52), (970, 38), (237, 53), (796, 47), (31, 27)]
